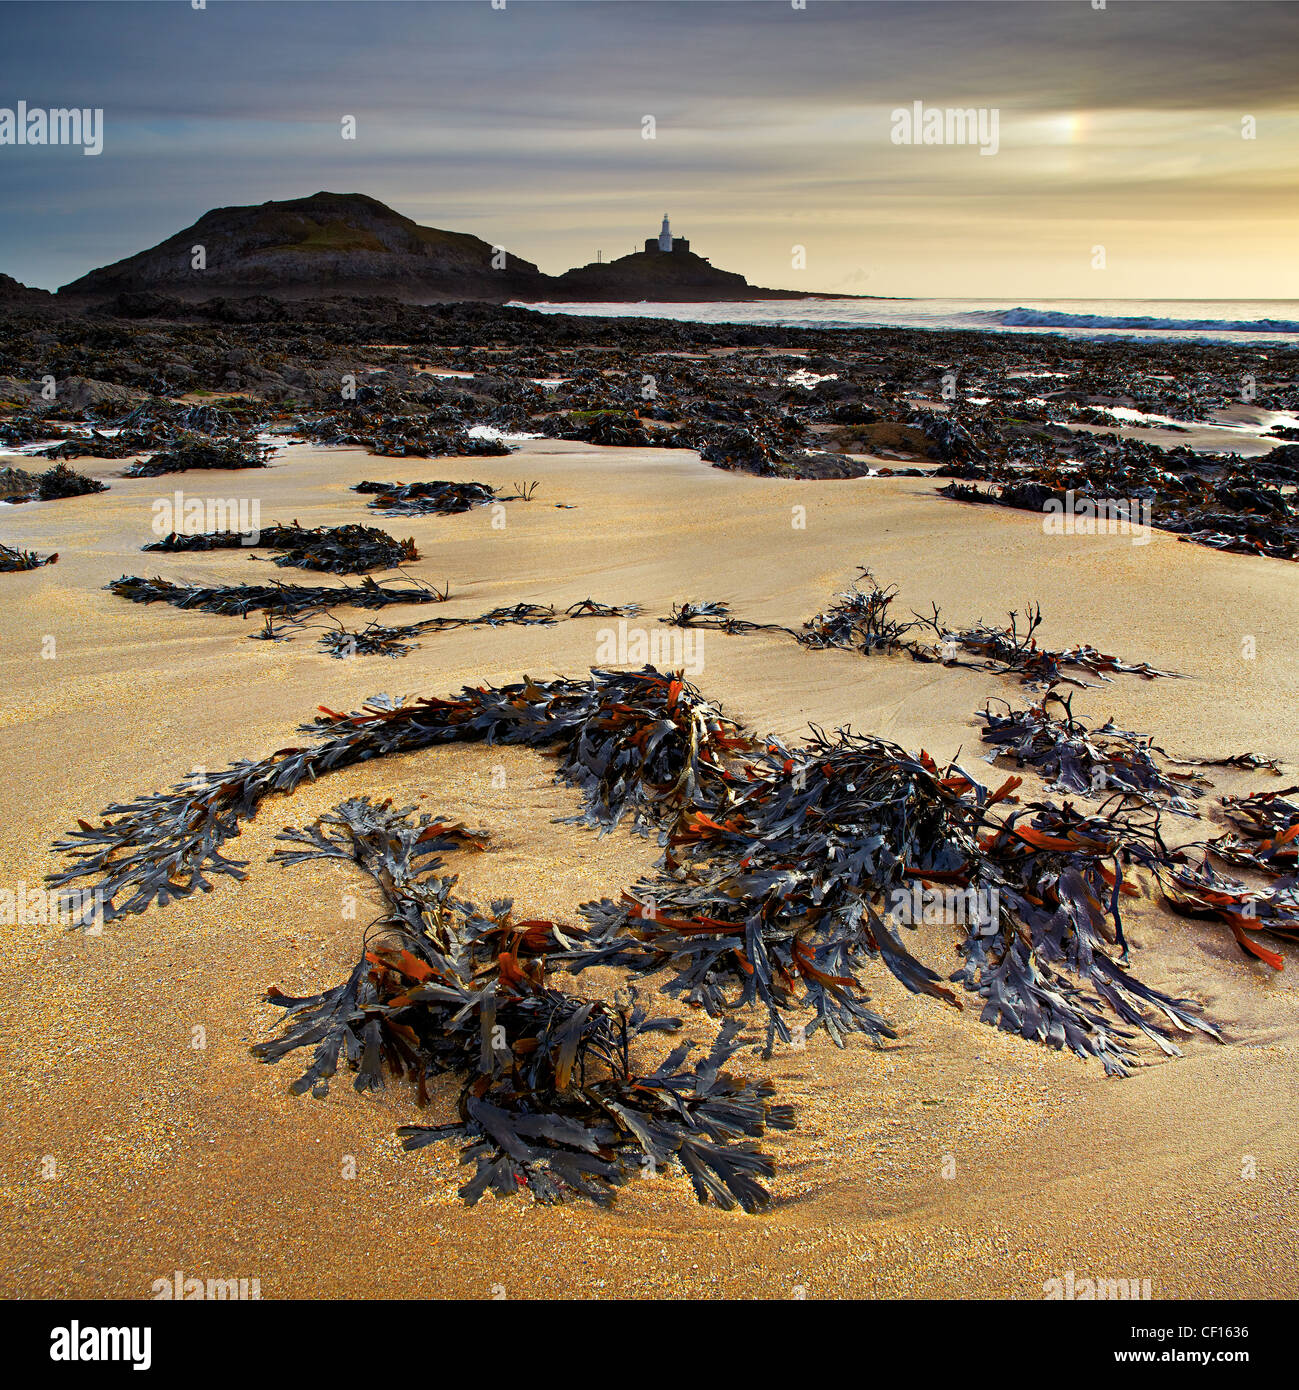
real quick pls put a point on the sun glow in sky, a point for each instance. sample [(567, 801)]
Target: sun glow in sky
[(1127, 128)]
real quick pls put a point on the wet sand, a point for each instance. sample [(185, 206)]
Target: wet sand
[(956, 1162)]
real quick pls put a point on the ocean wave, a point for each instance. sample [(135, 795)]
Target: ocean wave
[(1048, 318)]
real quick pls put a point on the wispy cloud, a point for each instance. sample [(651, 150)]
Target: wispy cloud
[(524, 125)]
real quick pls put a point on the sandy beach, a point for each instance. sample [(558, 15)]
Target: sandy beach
[(955, 1162)]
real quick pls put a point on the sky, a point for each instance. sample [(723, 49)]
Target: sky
[(1122, 128)]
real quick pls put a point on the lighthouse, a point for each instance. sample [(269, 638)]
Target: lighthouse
[(665, 242)]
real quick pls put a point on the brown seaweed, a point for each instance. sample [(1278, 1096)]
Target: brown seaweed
[(435, 497), (62, 481), (238, 600), (782, 863), (347, 549), (1267, 835), (858, 620), (1203, 892), (549, 1096), (1094, 762), (1012, 650), (14, 559), (376, 640), (194, 451), (715, 615)]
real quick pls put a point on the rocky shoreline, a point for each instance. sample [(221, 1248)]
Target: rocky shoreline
[(1150, 423)]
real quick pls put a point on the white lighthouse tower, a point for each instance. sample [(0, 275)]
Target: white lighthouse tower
[(666, 243)]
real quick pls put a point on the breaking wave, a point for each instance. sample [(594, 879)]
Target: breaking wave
[(1048, 318), (1200, 320)]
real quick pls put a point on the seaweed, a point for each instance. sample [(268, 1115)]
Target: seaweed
[(784, 874), (1236, 513), (782, 866), (92, 444), (780, 896), (1092, 762), (549, 1097), (24, 428), (376, 640), (14, 559), (158, 424), (1268, 831), (434, 497), (398, 436), (858, 621), (347, 549), (1011, 650), (1245, 762), (1203, 892), (192, 451), (715, 615), (238, 600), (162, 846), (62, 481), (272, 628)]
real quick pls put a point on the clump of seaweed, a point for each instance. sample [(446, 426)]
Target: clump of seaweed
[(1093, 762), (858, 620), (376, 640), (399, 436), (273, 628), (1203, 892), (348, 549), (1267, 826), (436, 496), (549, 1096), (161, 846), (780, 866), (778, 893), (91, 444), (14, 559), (191, 451), (716, 615), (156, 424), (62, 481), (1116, 495), (24, 428), (1012, 650), (238, 600)]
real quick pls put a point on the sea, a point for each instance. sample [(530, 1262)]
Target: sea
[(1153, 320)]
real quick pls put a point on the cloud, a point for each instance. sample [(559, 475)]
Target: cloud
[(525, 125)]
